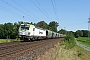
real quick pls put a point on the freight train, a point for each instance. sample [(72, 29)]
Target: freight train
[(30, 32)]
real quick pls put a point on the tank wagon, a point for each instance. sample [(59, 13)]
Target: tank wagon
[(31, 32)]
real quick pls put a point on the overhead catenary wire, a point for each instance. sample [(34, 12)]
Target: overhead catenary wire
[(40, 9), (8, 10), (55, 6), (20, 5), (17, 9), (54, 9), (23, 8)]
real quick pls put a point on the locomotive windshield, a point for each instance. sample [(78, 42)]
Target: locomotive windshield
[(24, 27)]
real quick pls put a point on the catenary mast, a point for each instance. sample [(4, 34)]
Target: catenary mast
[(89, 27)]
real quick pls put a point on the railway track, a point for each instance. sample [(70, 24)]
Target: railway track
[(9, 50)]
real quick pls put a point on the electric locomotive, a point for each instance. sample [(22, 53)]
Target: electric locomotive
[(31, 32)]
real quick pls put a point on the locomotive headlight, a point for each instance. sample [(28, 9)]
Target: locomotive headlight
[(20, 33)]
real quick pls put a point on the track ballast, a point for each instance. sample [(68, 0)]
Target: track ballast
[(8, 50)]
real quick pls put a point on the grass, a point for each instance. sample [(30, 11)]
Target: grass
[(84, 40), (8, 40), (70, 51), (75, 53)]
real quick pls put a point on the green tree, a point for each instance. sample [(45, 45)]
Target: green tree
[(15, 31), (62, 31), (8, 29), (42, 24), (85, 33), (53, 26), (2, 31), (20, 22), (78, 33)]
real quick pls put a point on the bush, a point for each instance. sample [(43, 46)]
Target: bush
[(69, 41)]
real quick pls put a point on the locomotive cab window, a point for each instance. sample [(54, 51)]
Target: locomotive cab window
[(25, 27)]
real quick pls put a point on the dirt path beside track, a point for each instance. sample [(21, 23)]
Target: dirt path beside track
[(83, 46)]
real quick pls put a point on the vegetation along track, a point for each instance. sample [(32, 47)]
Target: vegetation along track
[(21, 46)]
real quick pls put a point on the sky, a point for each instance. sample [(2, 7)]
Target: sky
[(71, 15)]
